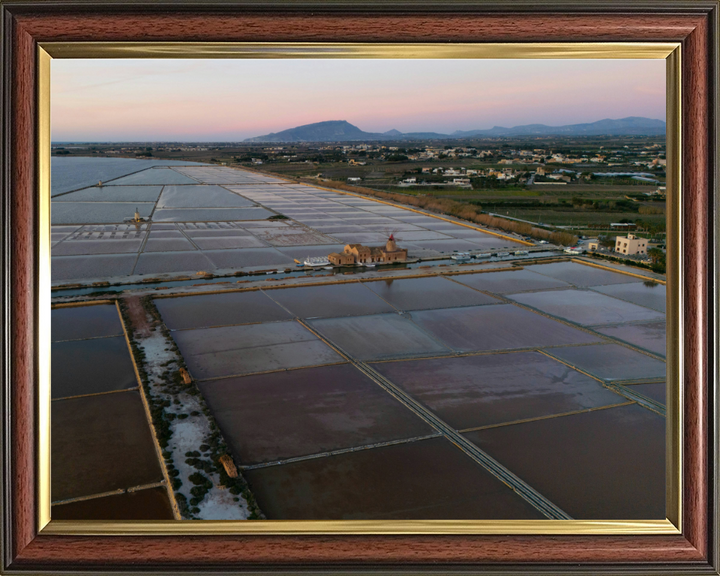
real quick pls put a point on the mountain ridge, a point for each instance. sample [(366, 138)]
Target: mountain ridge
[(343, 131)]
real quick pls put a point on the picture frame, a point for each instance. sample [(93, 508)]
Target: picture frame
[(29, 545)]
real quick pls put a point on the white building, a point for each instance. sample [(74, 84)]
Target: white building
[(631, 245)]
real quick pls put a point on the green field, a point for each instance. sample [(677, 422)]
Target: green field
[(553, 217)]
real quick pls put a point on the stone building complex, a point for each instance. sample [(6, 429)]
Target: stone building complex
[(359, 254)]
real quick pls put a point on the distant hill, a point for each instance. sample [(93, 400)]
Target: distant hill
[(330, 131), (343, 131), (630, 126)]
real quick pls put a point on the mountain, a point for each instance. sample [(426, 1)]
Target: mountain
[(343, 131), (630, 126), (330, 131)]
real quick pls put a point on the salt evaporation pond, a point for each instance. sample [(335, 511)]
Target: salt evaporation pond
[(73, 173)]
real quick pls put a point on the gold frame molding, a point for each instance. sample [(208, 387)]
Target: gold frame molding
[(670, 51)]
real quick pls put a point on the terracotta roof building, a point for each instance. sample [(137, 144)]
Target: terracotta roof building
[(359, 254)]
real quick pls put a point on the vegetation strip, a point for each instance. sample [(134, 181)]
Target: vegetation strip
[(148, 415), (197, 454), (522, 489)]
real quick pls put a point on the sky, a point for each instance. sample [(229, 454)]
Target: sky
[(148, 100)]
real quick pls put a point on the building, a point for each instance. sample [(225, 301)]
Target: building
[(391, 252), (631, 245), (341, 259), (359, 254)]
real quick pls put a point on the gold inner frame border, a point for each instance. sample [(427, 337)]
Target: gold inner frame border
[(669, 51)]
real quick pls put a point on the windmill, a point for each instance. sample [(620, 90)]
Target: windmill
[(392, 253), (391, 234)]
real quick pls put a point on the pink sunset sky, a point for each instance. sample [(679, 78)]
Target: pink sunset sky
[(229, 100)]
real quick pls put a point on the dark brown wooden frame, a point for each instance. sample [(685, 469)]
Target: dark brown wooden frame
[(693, 23)]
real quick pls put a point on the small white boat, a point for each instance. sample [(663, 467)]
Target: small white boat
[(521, 252), (485, 255), (461, 256), (369, 265), (503, 254), (316, 261)]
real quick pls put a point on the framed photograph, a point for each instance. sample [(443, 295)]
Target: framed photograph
[(297, 343)]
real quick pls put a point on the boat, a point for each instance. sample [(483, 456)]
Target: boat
[(502, 254), (369, 265), (316, 261), (521, 252), (485, 255), (461, 256)]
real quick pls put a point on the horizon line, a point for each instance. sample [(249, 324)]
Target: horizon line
[(416, 131)]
